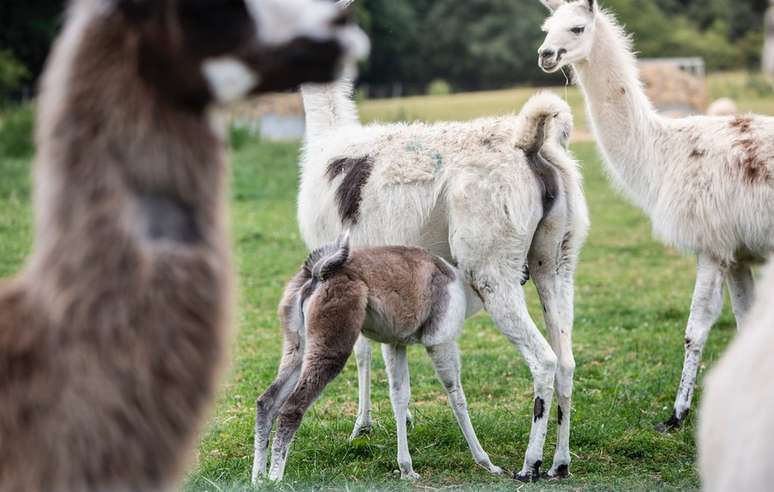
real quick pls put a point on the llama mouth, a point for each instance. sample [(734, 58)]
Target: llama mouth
[(549, 67)]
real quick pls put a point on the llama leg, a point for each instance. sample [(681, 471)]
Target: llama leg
[(400, 393), (388, 367), (556, 290), (504, 300), (741, 288), (363, 359), (319, 369), (446, 360), (269, 403), (705, 310)]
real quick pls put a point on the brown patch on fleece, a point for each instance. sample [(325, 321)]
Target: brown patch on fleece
[(754, 168)]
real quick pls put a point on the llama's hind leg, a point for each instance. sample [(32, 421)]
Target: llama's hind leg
[(741, 288), (552, 262), (269, 403), (319, 370), (504, 300), (400, 393), (333, 324), (446, 360), (705, 309), (363, 359)]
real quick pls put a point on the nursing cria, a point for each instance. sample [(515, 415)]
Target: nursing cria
[(394, 295)]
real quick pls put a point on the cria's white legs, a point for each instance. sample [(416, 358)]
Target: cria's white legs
[(400, 392), (446, 360), (705, 309), (269, 403), (741, 289), (363, 359)]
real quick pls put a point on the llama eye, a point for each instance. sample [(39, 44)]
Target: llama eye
[(577, 30)]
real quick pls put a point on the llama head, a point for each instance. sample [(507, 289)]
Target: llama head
[(224, 50), (569, 33)]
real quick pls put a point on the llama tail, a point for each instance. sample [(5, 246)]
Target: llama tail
[(324, 262), (537, 115), (328, 107)]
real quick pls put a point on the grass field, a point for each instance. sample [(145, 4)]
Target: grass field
[(632, 304)]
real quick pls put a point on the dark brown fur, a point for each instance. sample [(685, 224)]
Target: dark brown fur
[(349, 193), (112, 337)]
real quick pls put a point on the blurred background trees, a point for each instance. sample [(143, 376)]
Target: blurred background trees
[(469, 45)]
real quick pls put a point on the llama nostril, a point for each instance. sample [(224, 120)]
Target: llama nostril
[(546, 54)]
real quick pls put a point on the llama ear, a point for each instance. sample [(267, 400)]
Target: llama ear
[(552, 5)]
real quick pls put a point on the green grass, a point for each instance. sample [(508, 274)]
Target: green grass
[(633, 296)]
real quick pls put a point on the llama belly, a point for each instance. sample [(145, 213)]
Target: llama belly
[(379, 328)]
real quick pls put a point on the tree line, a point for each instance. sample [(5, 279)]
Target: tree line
[(469, 44)]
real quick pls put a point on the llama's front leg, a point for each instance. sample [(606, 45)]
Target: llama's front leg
[(363, 358), (506, 304), (269, 403), (400, 393), (446, 360), (741, 289), (705, 309)]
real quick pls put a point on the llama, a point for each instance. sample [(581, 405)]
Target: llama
[(735, 423), (112, 337), (705, 182), (489, 196), (339, 294)]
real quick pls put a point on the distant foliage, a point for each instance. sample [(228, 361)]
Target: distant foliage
[(12, 73), (483, 44), (471, 44), (16, 132)]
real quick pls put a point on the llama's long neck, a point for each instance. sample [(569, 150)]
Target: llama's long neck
[(622, 118), (123, 178), (328, 107)]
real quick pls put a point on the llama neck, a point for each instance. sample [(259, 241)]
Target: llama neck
[(621, 116), (328, 107), (120, 174)]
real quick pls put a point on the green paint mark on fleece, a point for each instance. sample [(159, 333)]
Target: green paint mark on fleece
[(438, 158)]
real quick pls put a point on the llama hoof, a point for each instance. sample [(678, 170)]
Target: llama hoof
[(673, 423), (410, 476), (495, 470), (361, 429), (558, 472), (529, 473)]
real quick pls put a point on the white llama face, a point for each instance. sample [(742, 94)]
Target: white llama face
[(569, 33)]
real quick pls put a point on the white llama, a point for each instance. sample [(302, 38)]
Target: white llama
[(484, 196), (706, 183), (735, 421)]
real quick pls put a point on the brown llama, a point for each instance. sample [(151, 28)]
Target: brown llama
[(112, 336)]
